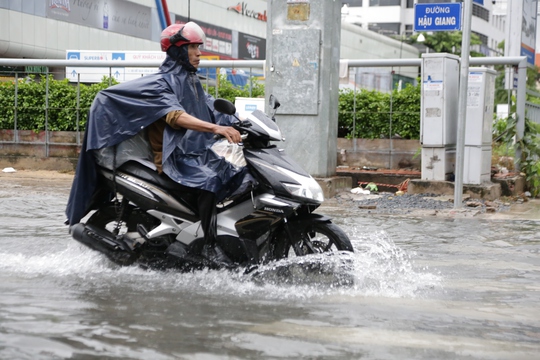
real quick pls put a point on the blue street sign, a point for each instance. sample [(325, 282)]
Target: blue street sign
[(437, 17)]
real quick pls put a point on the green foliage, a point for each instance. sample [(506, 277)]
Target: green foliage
[(499, 129), (362, 114), (530, 157), (368, 114), (60, 107), (529, 163), (448, 42), (35, 109), (7, 101), (61, 113), (227, 90), (406, 112)]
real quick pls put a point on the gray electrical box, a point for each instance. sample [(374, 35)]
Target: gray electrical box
[(438, 118), (439, 102), (478, 126), (480, 98), (438, 163), (294, 69)]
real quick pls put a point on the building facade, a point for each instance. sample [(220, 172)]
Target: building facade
[(49, 29)]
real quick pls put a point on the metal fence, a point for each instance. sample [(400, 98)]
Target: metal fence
[(533, 112), (362, 77), (20, 72), (533, 109)]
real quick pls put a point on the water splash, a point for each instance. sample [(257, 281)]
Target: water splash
[(72, 261), (377, 268), (384, 269)]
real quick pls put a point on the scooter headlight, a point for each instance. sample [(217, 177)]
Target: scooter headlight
[(307, 187)]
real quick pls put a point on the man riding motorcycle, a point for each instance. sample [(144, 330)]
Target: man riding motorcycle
[(181, 123)]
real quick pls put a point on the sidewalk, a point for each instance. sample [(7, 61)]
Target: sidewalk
[(530, 210), (388, 204)]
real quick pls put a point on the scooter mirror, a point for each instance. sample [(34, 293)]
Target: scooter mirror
[(273, 102), (224, 106)]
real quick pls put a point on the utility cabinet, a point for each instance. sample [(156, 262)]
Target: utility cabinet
[(478, 126), (438, 163), (439, 112)]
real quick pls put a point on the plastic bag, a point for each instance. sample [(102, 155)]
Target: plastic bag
[(233, 153)]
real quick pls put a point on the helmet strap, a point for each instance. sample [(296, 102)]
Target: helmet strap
[(177, 37)]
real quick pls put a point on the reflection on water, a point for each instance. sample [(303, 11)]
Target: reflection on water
[(414, 288)]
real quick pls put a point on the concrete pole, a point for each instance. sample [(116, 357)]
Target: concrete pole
[(520, 108), (462, 102), (302, 72)]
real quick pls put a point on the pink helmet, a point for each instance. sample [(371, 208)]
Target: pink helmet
[(182, 34)]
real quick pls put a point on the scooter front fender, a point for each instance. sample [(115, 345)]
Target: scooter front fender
[(303, 220)]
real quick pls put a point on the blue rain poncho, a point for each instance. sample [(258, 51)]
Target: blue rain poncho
[(123, 110)]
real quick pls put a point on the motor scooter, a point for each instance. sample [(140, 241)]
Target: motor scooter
[(150, 222)]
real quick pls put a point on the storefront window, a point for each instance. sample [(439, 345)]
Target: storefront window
[(480, 12)]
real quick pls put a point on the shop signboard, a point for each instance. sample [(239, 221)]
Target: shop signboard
[(119, 16), (218, 39), (119, 73), (251, 47)]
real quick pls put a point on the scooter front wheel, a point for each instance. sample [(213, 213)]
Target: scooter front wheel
[(312, 238)]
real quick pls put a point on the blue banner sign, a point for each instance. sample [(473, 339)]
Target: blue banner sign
[(437, 17)]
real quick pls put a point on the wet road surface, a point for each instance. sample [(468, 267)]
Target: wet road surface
[(416, 288)]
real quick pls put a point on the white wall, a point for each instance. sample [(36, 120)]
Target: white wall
[(358, 43), (26, 32), (215, 12), (49, 39)]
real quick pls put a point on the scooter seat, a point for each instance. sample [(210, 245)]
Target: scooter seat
[(139, 170)]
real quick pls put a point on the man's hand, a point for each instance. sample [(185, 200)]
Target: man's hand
[(184, 120), (230, 133)]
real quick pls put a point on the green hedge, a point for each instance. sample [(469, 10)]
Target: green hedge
[(376, 112), (62, 107), (226, 90), (372, 116)]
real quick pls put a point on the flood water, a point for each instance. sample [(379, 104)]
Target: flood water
[(416, 288)]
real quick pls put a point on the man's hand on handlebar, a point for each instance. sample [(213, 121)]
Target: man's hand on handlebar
[(232, 135), (184, 120)]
